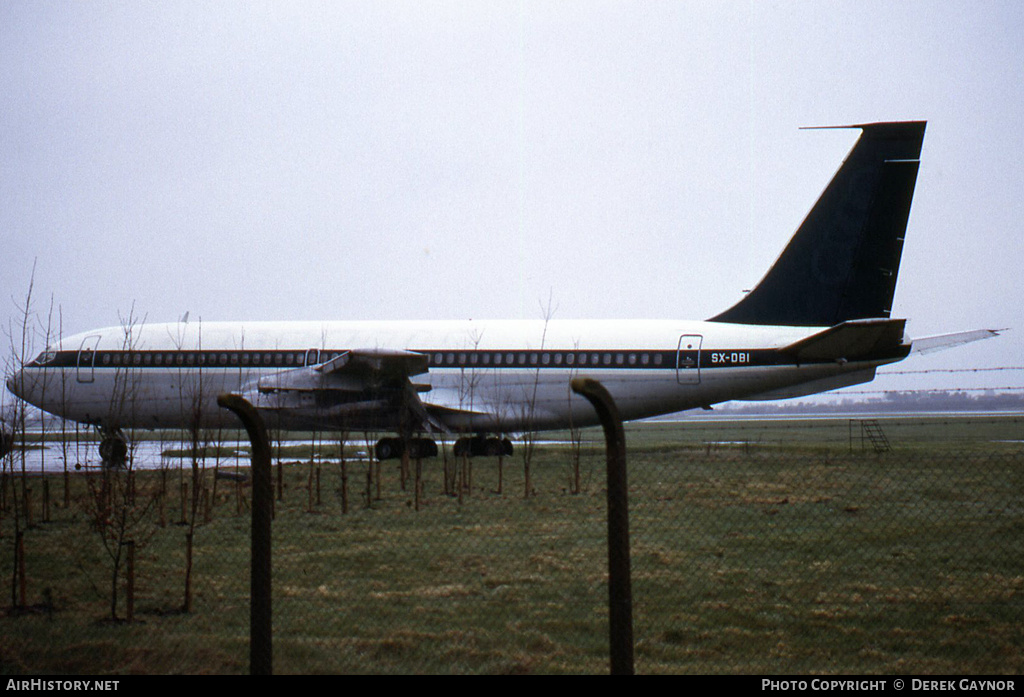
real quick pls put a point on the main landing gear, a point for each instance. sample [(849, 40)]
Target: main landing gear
[(481, 446), (392, 448), (477, 446)]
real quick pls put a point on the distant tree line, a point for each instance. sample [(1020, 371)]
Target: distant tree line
[(895, 402)]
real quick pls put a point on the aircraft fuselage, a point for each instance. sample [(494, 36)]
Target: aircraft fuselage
[(482, 376)]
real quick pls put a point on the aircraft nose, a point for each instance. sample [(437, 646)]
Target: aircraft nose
[(12, 383)]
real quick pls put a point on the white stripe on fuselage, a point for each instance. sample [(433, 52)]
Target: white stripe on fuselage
[(475, 397), (444, 335)]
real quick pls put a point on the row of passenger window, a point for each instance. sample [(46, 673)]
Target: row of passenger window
[(259, 359), (256, 359), (541, 358)]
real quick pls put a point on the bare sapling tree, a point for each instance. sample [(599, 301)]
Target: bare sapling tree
[(197, 463), (449, 470), (343, 466), (65, 446), (418, 480), (370, 459), (47, 378), (501, 469), (246, 366), (8, 421), (6, 442), (317, 444), (119, 516), (22, 344), (530, 404), (469, 384), (189, 385), (194, 497), (575, 432), (313, 473)]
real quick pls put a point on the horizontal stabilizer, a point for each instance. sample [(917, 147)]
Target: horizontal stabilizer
[(857, 339), (931, 344)]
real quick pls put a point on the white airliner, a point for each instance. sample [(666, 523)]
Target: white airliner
[(817, 321)]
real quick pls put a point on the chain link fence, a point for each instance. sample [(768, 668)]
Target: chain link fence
[(747, 557)]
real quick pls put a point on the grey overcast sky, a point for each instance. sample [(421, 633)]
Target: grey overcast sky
[(360, 160)]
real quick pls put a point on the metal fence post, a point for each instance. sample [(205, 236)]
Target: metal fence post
[(260, 638), (620, 592)]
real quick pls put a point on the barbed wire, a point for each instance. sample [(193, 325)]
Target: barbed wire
[(952, 370), (938, 390)]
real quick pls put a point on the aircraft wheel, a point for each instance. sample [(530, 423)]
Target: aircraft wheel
[(422, 447), (388, 448), (492, 447), (479, 446), (113, 452)]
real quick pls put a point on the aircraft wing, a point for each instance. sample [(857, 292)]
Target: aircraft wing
[(931, 344), (361, 389), (378, 363)]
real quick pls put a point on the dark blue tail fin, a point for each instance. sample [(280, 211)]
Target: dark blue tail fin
[(843, 260)]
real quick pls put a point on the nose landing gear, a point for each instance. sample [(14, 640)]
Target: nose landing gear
[(113, 448)]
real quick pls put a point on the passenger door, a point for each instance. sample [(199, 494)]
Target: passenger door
[(87, 358), (688, 359)]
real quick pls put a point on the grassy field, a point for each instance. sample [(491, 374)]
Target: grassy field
[(784, 553)]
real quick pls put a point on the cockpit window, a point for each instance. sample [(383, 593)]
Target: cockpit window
[(45, 357)]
